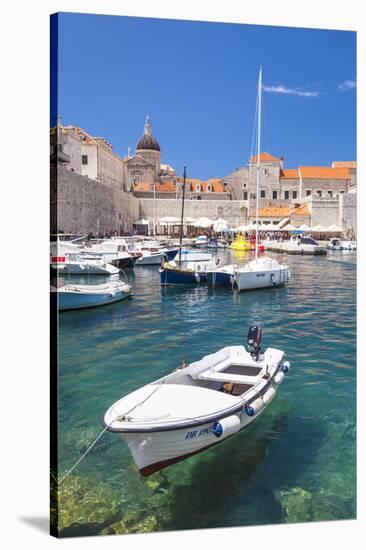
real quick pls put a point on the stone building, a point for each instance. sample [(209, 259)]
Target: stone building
[(88, 156), (288, 187)]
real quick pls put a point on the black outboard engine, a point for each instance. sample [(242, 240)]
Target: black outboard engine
[(254, 341)]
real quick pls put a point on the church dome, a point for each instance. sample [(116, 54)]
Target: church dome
[(147, 141)]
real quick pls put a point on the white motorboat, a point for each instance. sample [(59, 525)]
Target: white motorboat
[(299, 244), (199, 405), (201, 240), (152, 253), (348, 245), (84, 296), (334, 244), (259, 273), (77, 264)]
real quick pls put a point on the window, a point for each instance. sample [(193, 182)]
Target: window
[(209, 188), (265, 172), (274, 194), (245, 195), (263, 194), (294, 194), (308, 192), (84, 159), (330, 193), (287, 195), (319, 193)]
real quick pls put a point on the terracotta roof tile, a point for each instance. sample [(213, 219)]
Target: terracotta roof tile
[(289, 174), (324, 172), (302, 210), (265, 157), (274, 211)]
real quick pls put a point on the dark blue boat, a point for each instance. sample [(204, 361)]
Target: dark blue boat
[(180, 275), (220, 277)]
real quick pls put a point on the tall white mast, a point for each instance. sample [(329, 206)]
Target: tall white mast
[(258, 157)]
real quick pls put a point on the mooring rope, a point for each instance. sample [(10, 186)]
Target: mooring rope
[(120, 417), (83, 456)]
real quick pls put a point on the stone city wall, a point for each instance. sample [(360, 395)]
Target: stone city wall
[(81, 205), (232, 211), (348, 212)]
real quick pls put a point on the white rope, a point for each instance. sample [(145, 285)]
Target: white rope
[(83, 456)]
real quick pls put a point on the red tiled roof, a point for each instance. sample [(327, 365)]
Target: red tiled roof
[(324, 172), (142, 187), (289, 174), (265, 157), (302, 210), (274, 211)]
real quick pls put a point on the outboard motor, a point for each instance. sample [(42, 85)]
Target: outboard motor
[(254, 341)]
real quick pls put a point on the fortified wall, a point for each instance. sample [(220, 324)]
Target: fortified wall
[(234, 212), (81, 205)]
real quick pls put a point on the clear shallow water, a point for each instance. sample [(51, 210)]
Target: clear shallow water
[(295, 463)]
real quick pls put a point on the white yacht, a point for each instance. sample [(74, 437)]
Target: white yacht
[(80, 264)]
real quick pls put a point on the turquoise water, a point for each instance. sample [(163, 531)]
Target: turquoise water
[(295, 463)]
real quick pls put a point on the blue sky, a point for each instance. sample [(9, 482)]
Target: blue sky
[(198, 82)]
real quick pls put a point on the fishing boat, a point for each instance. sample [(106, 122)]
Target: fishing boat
[(198, 406), (260, 272), (112, 251), (72, 296), (77, 264), (240, 243)]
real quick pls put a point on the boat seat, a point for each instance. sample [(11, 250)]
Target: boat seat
[(227, 378)]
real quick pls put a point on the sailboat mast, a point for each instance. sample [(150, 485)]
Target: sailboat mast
[(182, 217), (258, 158)]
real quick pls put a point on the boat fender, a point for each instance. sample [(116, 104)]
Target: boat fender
[(273, 278), (197, 277), (269, 395), (254, 407), (227, 426), (285, 367), (279, 377)]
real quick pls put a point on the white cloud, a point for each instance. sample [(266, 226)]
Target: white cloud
[(280, 89), (346, 85)]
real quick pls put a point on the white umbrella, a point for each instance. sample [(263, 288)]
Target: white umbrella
[(304, 227), (318, 228), (190, 220), (288, 227), (242, 228), (169, 220), (220, 225), (334, 229), (141, 222), (203, 222)]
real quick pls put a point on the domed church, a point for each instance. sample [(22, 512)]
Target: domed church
[(146, 165)]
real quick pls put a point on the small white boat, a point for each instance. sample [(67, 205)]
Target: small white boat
[(77, 264), (348, 245), (84, 296), (199, 405), (298, 244), (334, 244), (259, 273), (201, 240)]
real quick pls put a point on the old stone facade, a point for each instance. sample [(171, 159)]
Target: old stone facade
[(81, 205)]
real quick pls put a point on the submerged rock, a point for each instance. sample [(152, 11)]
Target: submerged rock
[(296, 504), (82, 506), (132, 523)]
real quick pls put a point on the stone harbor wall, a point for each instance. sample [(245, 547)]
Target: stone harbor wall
[(234, 212), (81, 205), (348, 212)]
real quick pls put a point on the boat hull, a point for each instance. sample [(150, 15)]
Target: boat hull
[(158, 450), (73, 300), (250, 280), (219, 278), (176, 276)]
